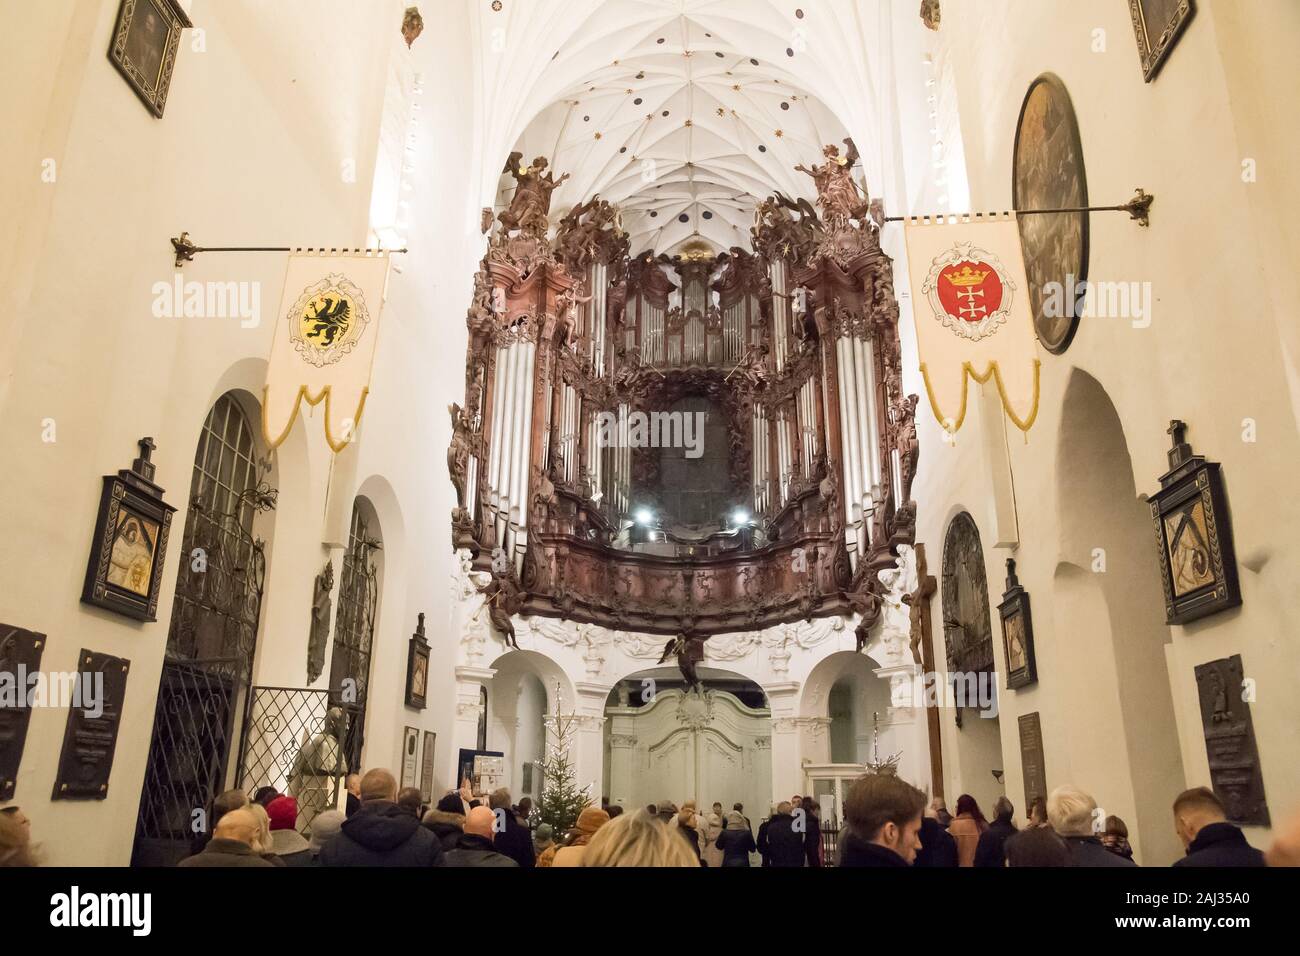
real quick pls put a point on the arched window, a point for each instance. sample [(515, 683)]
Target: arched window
[(212, 637), (967, 628), (354, 626)]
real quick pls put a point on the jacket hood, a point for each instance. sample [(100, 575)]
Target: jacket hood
[(381, 825), (442, 819)]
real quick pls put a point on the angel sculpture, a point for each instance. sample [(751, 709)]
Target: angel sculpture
[(837, 194), (866, 603), (681, 647), (458, 452), (531, 206), (504, 599)]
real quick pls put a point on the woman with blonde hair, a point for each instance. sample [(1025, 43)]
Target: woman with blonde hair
[(639, 840), (263, 845), (686, 826)]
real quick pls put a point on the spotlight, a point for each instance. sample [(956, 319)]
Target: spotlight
[(645, 517), (741, 516)]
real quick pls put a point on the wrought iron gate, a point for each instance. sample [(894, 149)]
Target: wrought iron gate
[(211, 639), (291, 741)]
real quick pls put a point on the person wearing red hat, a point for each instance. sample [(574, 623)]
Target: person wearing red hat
[(286, 842)]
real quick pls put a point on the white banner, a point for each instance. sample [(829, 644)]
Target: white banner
[(970, 300), (324, 346)]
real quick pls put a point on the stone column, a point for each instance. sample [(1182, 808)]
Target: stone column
[(469, 682), (588, 753), (787, 757)]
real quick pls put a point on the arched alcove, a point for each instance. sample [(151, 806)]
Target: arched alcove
[(1111, 579)]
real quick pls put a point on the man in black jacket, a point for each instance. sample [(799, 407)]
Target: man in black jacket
[(509, 835), (381, 833), (938, 846), (781, 843), (991, 850), (231, 843), (475, 848), (883, 817), (1202, 824)]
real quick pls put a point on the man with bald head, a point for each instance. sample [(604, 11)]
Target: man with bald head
[(231, 843), (475, 846), (381, 833)]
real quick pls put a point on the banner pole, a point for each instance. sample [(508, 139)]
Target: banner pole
[(186, 250), (1138, 208)]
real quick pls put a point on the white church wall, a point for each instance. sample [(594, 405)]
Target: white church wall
[(256, 147), (1219, 350)]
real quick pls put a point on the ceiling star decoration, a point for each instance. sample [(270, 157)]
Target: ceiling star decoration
[(687, 103)]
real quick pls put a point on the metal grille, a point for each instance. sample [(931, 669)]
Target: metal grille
[(291, 742), (211, 639), (830, 842), (354, 632)]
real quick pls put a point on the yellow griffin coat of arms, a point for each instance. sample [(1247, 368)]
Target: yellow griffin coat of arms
[(328, 320)]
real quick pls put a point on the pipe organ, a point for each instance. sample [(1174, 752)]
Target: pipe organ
[(575, 346)]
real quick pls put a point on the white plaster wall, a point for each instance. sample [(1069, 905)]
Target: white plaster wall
[(1221, 348), (250, 151)]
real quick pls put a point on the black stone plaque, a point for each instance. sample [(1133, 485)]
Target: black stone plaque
[(1032, 767), (90, 739), (1235, 774), (20, 656)]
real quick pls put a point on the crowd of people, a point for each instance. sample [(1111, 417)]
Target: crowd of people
[(887, 823)]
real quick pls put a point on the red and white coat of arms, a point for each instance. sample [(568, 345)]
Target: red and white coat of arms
[(970, 291)]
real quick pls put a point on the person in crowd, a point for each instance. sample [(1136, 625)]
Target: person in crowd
[(223, 804), (812, 844), (966, 828), (524, 811), (740, 808), (882, 816), (1036, 846), (667, 811), (686, 826), (354, 793), (940, 809), (288, 845), (446, 821), (262, 844), (1037, 814), (991, 850), (590, 822), (712, 825), (476, 845), (735, 842), (324, 827), (543, 838), (510, 836), (614, 810), (761, 843), (1072, 814), (1285, 849), (938, 848), (1202, 825), (467, 798), (411, 800), (781, 842), (1115, 837), (637, 840), (264, 795), (232, 843), (381, 833), (16, 848)]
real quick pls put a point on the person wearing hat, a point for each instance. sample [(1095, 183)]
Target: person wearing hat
[(286, 842), (543, 838), (736, 841), (589, 821), (324, 827)]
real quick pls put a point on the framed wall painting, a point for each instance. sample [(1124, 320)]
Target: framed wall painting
[(124, 573), (410, 756), (417, 668), (1198, 564), (1158, 24), (1048, 173), (143, 49), (1017, 632)]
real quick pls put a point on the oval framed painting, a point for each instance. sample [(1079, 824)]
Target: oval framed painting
[(1048, 173)]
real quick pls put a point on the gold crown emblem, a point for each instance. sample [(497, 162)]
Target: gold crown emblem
[(966, 276)]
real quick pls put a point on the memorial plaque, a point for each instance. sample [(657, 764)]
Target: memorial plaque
[(20, 656), (1235, 773), (426, 766), (91, 735), (1031, 758)]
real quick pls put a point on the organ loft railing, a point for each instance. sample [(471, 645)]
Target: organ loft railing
[(792, 347)]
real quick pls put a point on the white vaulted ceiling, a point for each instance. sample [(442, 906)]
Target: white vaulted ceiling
[(684, 113)]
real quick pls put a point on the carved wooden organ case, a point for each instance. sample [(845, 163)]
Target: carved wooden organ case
[(797, 341)]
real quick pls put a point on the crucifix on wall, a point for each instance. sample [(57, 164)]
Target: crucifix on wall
[(923, 653)]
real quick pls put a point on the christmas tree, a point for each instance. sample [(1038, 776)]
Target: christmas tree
[(562, 800)]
